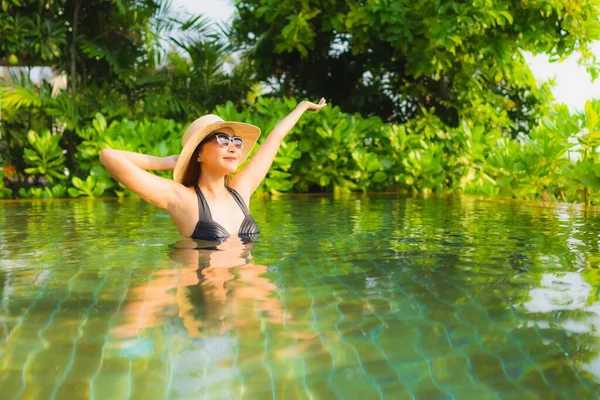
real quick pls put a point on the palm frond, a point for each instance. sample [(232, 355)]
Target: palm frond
[(65, 108), (120, 5), (198, 23), (151, 78), (164, 20), (93, 50), (15, 97), (196, 29), (163, 24)]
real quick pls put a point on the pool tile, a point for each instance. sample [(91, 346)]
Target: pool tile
[(390, 311), (486, 368), (413, 372), (448, 370)]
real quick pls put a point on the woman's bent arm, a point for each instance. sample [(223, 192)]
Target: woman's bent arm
[(128, 168), (145, 161), (248, 179)]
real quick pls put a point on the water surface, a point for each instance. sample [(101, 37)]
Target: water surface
[(362, 298)]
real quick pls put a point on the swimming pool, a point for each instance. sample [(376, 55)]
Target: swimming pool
[(362, 298)]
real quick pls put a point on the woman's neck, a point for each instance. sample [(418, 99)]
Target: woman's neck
[(214, 185)]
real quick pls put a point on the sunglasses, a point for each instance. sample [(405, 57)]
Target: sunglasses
[(225, 140)]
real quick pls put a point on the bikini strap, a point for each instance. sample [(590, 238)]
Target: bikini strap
[(238, 199), (203, 209)]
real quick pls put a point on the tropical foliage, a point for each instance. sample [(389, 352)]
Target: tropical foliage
[(332, 151), (428, 97), (396, 59), (116, 63)]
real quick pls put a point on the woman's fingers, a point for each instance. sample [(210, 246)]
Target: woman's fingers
[(322, 103), (315, 106)]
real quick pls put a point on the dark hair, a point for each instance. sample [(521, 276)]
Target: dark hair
[(192, 172)]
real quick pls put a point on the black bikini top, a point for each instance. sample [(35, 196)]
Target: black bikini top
[(208, 229)]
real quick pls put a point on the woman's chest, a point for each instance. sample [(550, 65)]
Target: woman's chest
[(228, 215)]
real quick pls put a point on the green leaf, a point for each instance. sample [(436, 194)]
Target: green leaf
[(507, 15), (591, 180), (99, 123), (591, 116), (90, 182), (379, 177), (32, 137), (30, 155), (466, 128), (74, 192), (594, 138), (305, 145), (372, 163), (77, 182), (99, 189), (548, 124)]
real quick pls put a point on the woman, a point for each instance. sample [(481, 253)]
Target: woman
[(204, 204)]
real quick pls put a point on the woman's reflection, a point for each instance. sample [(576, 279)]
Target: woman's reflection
[(212, 288)]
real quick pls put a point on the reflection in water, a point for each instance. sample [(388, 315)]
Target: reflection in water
[(564, 293), (206, 302), (365, 297), (559, 292)]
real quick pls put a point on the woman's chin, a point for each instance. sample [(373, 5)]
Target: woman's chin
[(230, 167)]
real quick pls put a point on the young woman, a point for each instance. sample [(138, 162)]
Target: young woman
[(201, 199)]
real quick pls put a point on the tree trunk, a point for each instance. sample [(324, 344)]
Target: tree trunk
[(70, 134), (73, 82)]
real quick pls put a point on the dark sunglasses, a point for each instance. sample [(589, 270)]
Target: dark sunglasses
[(225, 140)]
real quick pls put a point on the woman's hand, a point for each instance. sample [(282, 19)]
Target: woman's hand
[(307, 105)]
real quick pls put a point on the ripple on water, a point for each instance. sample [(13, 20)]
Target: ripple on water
[(362, 297)]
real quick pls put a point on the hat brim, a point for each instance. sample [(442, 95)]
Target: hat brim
[(248, 132)]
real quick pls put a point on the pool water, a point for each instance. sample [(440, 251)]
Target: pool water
[(362, 298)]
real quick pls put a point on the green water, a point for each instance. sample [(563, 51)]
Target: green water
[(365, 298)]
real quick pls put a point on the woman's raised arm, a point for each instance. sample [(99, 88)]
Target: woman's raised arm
[(129, 168), (250, 177)]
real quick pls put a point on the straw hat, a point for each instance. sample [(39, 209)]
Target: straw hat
[(204, 126)]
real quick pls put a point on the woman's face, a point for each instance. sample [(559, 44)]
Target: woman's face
[(218, 159)]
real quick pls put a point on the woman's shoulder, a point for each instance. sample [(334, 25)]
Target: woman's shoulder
[(186, 198), (239, 191), (185, 211)]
